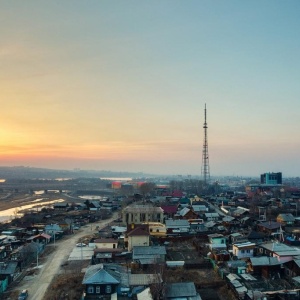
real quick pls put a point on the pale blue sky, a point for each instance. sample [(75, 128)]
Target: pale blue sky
[(121, 85)]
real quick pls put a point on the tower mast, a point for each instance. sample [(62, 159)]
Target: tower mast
[(205, 160)]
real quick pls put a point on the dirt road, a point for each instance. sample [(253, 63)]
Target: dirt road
[(38, 285)]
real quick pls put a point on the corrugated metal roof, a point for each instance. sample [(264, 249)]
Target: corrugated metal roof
[(149, 250), (180, 289), (144, 279), (172, 223)]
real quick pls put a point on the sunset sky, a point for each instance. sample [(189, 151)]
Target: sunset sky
[(122, 85)]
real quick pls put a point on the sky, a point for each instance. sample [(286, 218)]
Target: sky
[(122, 85)]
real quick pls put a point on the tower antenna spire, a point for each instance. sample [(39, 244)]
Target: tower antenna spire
[(205, 159)]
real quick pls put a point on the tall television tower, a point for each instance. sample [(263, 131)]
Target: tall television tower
[(205, 160)]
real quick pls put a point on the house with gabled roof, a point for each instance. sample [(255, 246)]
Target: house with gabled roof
[(94, 205), (186, 213), (103, 280), (229, 221), (268, 227), (138, 236), (266, 266), (278, 250), (286, 219), (42, 238)]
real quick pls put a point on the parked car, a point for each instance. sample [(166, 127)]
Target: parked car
[(81, 245), (23, 295)]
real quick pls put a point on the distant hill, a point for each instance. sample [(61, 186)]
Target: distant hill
[(34, 173)]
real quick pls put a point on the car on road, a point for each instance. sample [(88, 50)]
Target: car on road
[(81, 245), (23, 295)]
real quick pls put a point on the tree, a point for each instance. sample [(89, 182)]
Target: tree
[(146, 188)]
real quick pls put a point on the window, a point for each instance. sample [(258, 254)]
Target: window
[(248, 251), (97, 289), (242, 251), (108, 289), (90, 290)]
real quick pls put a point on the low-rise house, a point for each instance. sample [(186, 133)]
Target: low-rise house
[(278, 250), (157, 229), (266, 266), (63, 206), (103, 280), (186, 213), (243, 250), (256, 237), (65, 225), (139, 282), (3, 286), (181, 290), (286, 219), (240, 211), (177, 225), (230, 222), (94, 205), (246, 221), (80, 206), (268, 227), (237, 237), (108, 255), (169, 211), (42, 238), (149, 255), (292, 268), (54, 230), (106, 243), (138, 236), (183, 201), (211, 225), (199, 209), (217, 241), (9, 270), (211, 216)]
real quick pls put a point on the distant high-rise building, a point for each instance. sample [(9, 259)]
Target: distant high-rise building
[(271, 178), (205, 172)]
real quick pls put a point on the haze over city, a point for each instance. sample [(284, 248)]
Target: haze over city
[(122, 85)]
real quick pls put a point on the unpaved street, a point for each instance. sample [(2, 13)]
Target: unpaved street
[(38, 285)]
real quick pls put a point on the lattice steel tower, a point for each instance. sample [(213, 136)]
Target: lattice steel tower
[(205, 159)]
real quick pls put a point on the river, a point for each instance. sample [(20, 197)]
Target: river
[(8, 214)]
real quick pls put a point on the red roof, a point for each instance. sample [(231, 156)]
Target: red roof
[(177, 194), (138, 231), (169, 209)]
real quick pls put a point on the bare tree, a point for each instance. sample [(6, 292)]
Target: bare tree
[(157, 287), (146, 188)]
